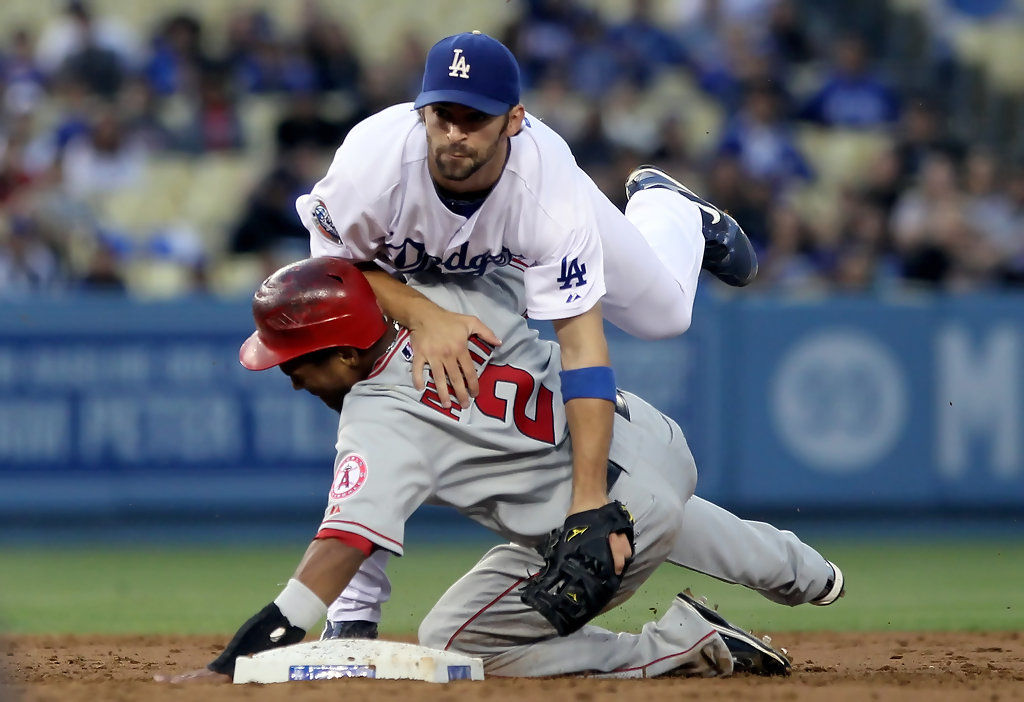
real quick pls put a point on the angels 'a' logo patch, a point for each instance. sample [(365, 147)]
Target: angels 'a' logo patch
[(350, 476), (323, 222)]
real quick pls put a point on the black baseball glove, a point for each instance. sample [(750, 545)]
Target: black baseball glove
[(578, 579)]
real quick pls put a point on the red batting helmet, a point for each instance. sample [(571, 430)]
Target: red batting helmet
[(311, 305)]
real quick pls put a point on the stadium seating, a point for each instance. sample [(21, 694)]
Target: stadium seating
[(840, 156), (377, 28)]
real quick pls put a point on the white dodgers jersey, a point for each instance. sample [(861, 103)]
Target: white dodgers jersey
[(377, 201)]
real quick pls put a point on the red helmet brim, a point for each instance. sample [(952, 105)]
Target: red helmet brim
[(257, 356)]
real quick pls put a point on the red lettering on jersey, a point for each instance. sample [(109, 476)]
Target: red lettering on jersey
[(481, 344), (432, 400), (349, 477), (542, 426), (335, 509)]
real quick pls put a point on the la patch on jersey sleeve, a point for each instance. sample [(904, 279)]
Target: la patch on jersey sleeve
[(558, 230), (568, 286)]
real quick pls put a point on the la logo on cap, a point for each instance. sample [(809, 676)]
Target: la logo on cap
[(459, 67), (493, 89)]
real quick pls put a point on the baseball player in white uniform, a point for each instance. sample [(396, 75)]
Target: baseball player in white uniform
[(464, 181), (504, 461)]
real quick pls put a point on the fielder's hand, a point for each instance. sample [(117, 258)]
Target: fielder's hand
[(439, 339), (581, 573)]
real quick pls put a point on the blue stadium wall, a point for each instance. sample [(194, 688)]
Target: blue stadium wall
[(138, 416)]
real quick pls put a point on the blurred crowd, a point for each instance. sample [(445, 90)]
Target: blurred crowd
[(731, 96)]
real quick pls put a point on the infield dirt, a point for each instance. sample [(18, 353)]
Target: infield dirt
[(826, 666)]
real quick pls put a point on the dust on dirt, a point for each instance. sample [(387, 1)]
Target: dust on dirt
[(826, 666)]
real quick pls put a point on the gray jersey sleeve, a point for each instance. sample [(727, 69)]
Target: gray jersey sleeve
[(380, 476)]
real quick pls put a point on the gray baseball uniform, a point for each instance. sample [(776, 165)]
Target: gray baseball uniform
[(757, 555), (505, 462)]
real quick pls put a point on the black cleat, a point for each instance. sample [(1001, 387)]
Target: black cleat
[(355, 629), (749, 653), (728, 253)]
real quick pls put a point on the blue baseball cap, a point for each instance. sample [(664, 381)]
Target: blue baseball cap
[(471, 69)]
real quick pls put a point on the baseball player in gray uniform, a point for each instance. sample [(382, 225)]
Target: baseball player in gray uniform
[(504, 461)]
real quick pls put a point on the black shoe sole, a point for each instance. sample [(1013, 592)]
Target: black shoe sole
[(750, 654)]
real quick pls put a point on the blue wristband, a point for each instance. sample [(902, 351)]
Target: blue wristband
[(595, 381)]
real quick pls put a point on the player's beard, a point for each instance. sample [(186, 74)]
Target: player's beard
[(463, 168)]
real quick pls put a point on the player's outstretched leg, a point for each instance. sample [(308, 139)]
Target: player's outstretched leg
[(728, 253), (749, 653), (483, 615), (758, 555)]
